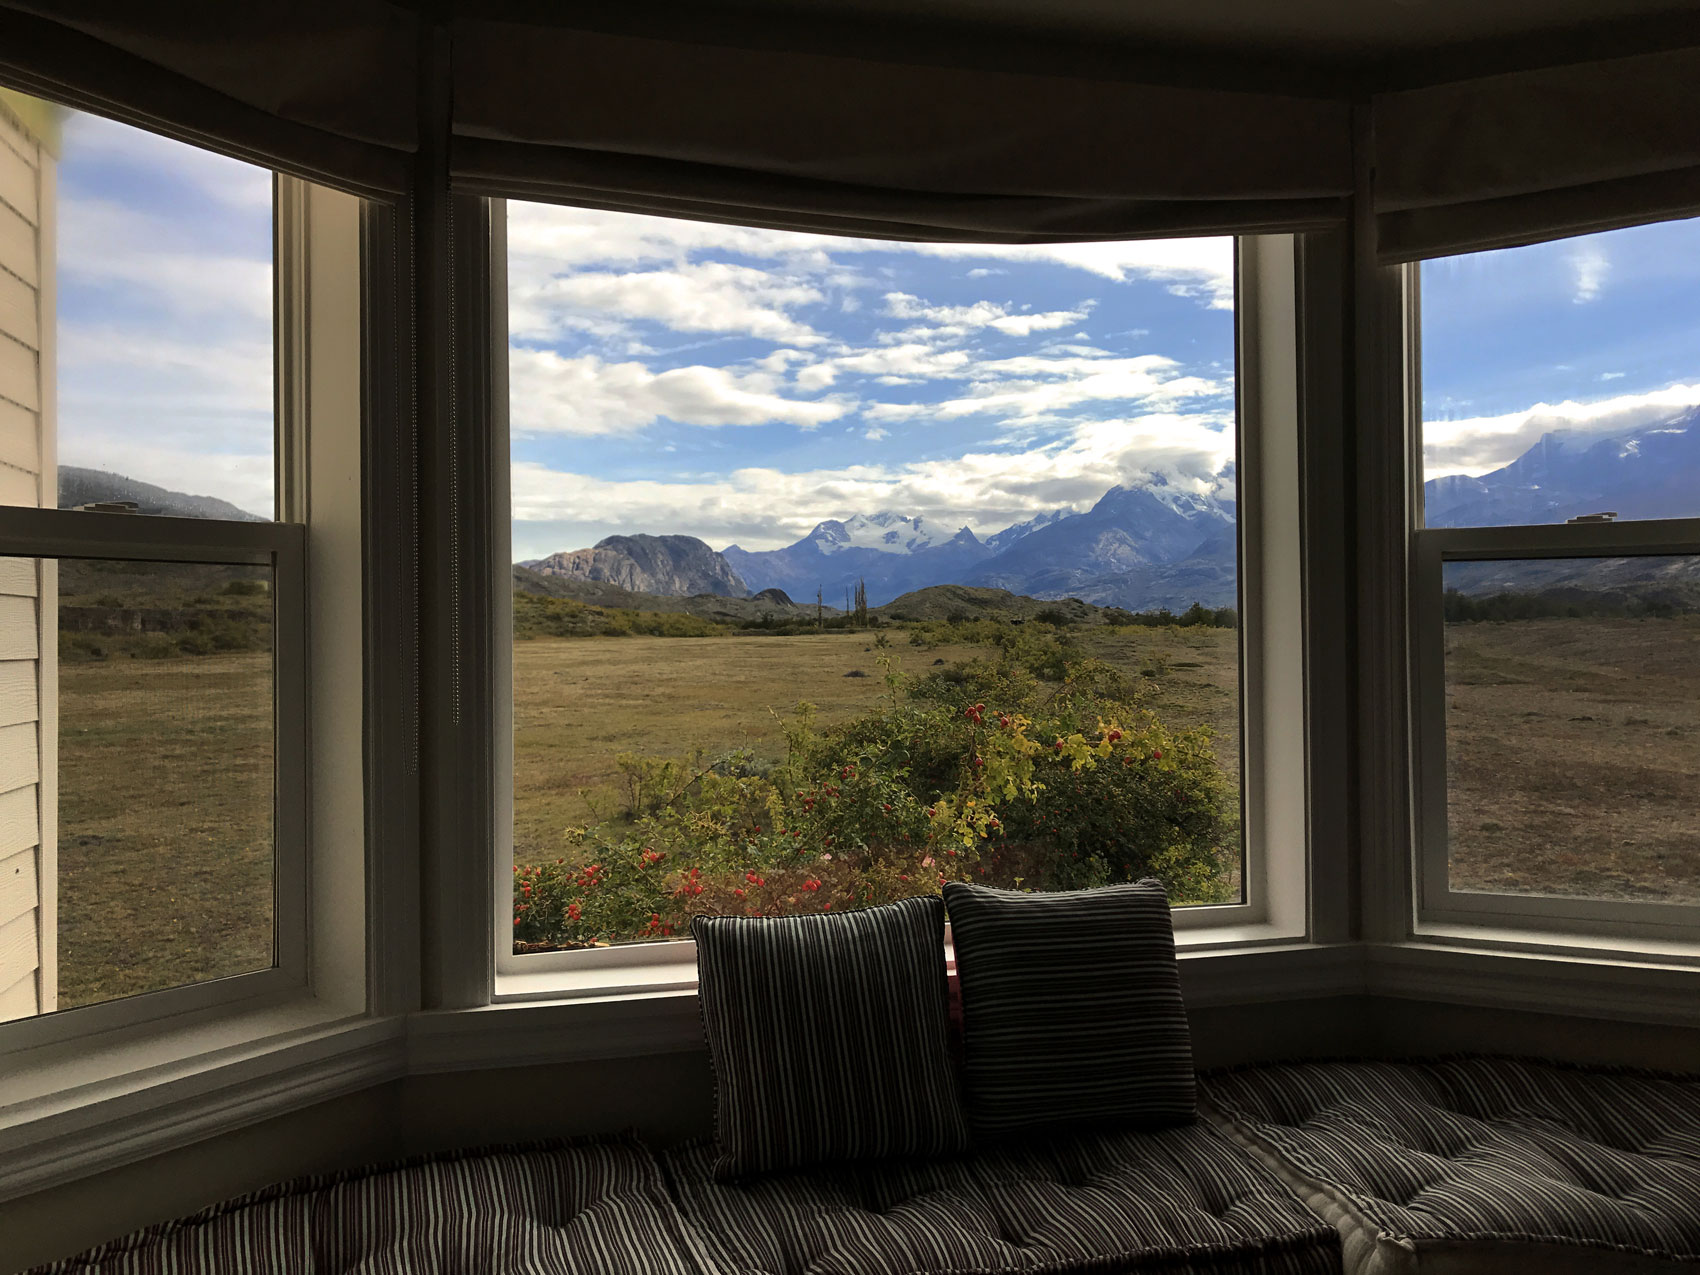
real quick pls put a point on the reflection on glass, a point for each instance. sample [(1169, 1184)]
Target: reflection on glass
[(164, 774), (1562, 380), (1573, 727), (142, 268), (845, 568)]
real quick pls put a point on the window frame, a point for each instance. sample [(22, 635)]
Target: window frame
[(1437, 907), (280, 545), (1274, 746)]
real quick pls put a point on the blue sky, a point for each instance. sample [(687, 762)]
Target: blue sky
[(165, 313), (741, 385), (1599, 334)]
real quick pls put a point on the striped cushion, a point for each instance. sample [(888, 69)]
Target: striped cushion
[(1475, 1160), (581, 1208), (1182, 1201), (1071, 1008), (828, 1036)]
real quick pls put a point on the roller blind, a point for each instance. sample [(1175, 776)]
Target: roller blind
[(325, 90), (1518, 158), (812, 141)]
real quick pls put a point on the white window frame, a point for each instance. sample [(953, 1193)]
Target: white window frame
[(50, 534), (1274, 819), (1438, 907)]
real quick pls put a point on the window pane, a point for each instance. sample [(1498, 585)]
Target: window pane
[(1562, 380), (157, 854), (846, 567), (136, 288), (1573, 727)]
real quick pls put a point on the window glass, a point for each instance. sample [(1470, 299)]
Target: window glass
[(843, 568), (158, 775), (136, 296), (1562, 380), (1573, 727)]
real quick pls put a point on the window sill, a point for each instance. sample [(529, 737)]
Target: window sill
[(1541, 973), (1558, 942), (646, 969), (72, 1109)]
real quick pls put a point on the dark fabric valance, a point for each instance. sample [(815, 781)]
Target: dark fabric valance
[(812, 141), (1513, 159), (326, 89)]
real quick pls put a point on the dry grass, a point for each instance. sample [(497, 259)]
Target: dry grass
[(579, 702), (1573, 757), (165, 818)]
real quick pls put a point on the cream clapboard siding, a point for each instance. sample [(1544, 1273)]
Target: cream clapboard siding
[(28, 646)]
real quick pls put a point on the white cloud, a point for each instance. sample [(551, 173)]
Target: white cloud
[(1613, 376), (763, 508), (543, 239), (702, 297), (959, 320), (874, 434), (1034, 388), (1591, 265), (984, 272), (160, 267), (1483, 443), (90, 140), (552, 394), (184, 415)]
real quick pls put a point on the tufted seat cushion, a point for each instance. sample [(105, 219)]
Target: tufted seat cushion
[(584, 1208), (1480, 1164), (1182, 1201)]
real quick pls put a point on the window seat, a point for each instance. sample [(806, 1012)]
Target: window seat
[(1183, 1199), (1447, 1167), (1481, 1164)]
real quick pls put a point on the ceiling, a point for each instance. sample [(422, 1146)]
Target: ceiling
[(1350, 30), (1321, 46)]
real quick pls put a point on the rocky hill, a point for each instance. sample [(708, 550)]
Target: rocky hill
[(770, 603), (671, 566), (79, 486)]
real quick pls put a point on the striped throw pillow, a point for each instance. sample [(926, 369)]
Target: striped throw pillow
[(1071, 1009), (828, 1037)]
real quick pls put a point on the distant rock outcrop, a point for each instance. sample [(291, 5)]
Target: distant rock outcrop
[(671, 566)]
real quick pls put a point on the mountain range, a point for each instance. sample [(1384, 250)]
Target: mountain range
[(1142, 546), (1153, 545), (1649, 472)]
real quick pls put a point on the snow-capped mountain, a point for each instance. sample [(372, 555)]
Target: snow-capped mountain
[(1002, 540), (1053, 554), (884, 532), (1125, 539), (1649, 472)]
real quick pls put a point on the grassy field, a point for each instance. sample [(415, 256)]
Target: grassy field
[(579, 702), (1573, 747), (165, 815)]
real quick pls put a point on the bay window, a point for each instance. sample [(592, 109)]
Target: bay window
[(835, 569), (1555, 601), (155, 629)]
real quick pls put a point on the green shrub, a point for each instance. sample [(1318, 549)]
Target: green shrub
[(1032, 768)]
